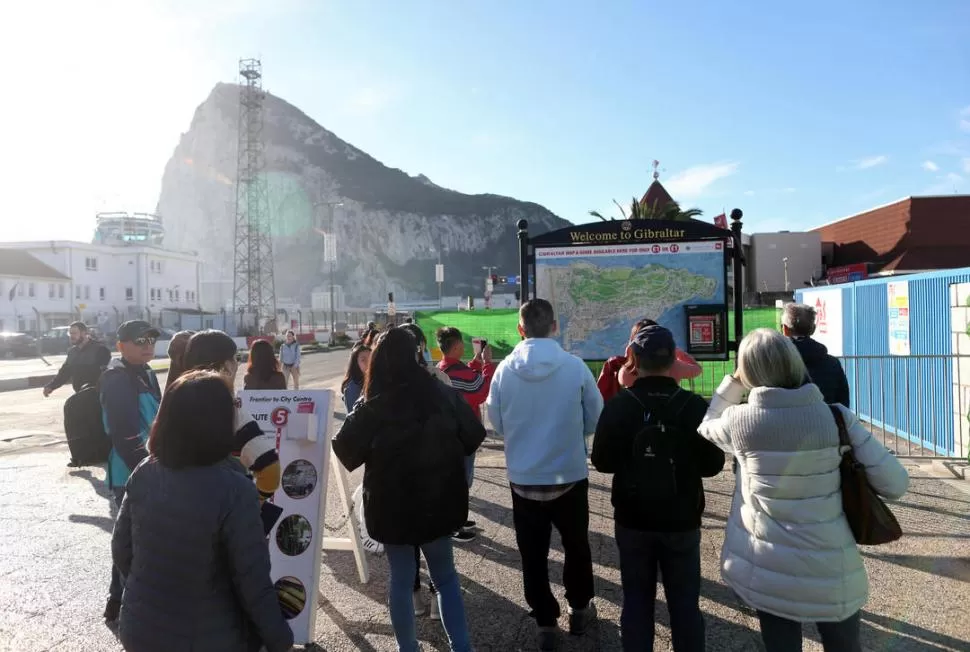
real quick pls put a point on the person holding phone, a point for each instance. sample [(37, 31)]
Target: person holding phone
[(472, 380)]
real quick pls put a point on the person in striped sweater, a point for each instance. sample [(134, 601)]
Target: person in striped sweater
[(214, 350)]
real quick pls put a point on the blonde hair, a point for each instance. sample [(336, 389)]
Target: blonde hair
[(766, 358)]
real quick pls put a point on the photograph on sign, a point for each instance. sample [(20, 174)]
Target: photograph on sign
[(299, 479), (292, 596), (299, 423), (599, 291), (294, 534)]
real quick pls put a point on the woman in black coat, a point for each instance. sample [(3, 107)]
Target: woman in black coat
[(412, 433), (189, 537)]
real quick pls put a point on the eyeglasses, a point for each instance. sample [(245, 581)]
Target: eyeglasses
[(145, 341)]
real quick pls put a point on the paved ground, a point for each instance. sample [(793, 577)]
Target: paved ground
[(55, 528), (22, 367)]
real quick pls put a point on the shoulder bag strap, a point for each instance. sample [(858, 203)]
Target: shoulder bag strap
[(843, 431)]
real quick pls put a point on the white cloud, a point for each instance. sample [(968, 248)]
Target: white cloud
[(965, 119), (788, 190), (947, 184), (966, 165), (870, 162), (930, 166), (749, 193), (693, 181)]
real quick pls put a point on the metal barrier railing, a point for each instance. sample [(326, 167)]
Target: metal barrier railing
[(917, 405)]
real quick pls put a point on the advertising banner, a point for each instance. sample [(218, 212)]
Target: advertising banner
[(828, 317), (299, 420), (897, 295)]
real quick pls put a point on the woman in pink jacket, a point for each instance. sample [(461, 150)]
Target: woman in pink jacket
[(616, 373)]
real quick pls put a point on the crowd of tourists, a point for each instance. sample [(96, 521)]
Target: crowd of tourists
[(192, 455), (790, 552)]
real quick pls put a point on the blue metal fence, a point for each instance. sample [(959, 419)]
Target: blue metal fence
[(909, 396)]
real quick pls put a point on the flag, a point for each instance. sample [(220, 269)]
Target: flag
[(720, 221), (12, 290)]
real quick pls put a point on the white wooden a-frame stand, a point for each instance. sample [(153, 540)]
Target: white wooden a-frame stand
[(353, 543)]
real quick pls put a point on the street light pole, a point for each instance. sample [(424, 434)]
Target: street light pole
[(330, 255)]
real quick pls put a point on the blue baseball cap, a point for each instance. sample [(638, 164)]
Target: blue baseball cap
[(653, 342)]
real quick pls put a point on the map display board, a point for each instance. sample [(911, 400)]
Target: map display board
[(600, 291), (299, 421)]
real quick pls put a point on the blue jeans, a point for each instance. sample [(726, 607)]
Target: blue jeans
[(441, 566), (117, 587), (678, 555)]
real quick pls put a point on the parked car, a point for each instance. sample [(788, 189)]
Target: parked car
[(56, 341), (17, 345)]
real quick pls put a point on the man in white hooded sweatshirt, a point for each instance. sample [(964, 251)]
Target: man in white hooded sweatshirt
[(544, 403)]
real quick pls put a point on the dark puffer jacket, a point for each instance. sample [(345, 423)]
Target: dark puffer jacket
[(413, 441), (191, 544), (824, 370)]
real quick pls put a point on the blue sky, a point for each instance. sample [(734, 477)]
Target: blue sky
[(796, 114)]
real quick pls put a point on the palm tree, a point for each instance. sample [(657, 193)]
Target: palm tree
[(640, 210)]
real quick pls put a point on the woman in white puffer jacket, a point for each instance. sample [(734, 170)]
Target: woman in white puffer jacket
[(788, 550)]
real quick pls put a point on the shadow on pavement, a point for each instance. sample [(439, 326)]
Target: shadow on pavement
[(106, 523)]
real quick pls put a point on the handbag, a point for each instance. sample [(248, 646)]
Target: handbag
[(871, 520)]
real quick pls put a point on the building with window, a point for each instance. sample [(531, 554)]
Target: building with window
[(34, 296), (120, 275)]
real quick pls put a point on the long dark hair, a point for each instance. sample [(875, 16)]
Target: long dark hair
[(394, 363), (195, 422), (262, 360), (210, 349), (354, 374), (632, 362), (176, 352)]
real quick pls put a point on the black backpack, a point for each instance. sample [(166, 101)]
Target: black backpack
[(661, 475), (84, 426)]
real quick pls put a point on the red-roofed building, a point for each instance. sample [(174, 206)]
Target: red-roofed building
[(656, 197), (910, 235)]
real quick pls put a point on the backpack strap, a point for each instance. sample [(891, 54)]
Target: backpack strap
[(670, 401)]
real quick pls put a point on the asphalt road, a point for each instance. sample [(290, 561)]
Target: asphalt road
[(29, 421)]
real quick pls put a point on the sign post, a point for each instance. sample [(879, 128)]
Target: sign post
[(299, 421), (439, 278)]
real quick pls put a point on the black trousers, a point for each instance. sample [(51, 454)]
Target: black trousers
[(534, 520), (783, 635)]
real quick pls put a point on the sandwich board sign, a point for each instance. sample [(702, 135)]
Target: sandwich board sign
[(299, 421)]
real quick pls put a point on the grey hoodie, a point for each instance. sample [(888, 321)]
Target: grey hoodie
[(543, 402)]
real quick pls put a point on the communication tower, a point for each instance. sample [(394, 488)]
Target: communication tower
[(253, 286)]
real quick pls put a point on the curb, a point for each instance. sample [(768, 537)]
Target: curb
[(34, 382)]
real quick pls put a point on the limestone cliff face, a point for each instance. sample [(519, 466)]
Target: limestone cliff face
[(390, 227)]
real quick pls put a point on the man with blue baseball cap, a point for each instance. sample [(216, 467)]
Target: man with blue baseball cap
[(647, 437)]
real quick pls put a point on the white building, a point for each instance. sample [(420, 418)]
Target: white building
[(33, 296), (320, 298), (126, 274)]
